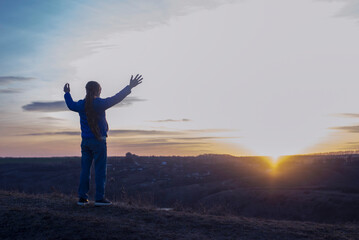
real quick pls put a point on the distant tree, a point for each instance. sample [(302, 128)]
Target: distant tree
[(129, 159), (129, 155)]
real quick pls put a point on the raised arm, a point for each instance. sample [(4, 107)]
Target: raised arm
[(106, 103), (73, 106)]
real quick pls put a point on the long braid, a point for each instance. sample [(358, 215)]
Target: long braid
[(92, 91)]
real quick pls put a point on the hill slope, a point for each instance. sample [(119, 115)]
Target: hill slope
[(58, 217)]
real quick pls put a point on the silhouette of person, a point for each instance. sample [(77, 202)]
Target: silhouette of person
[(94, 130)]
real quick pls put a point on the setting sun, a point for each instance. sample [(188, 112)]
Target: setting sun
[(275, 159)]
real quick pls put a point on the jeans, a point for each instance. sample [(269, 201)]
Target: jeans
[(93, 149)]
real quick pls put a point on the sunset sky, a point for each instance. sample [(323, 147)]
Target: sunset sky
[(258, 77)]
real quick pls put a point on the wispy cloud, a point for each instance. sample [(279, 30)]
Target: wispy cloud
[(11, 80), (59, 106), (140, 132), (211, 130), (65, 133), (350, 129), (352, 143), (350, 9), (56, 106), (129, 101), (161, 144), (4, 80), (348, 115), (169, 144), (204, 138), (10, 91), (143, 132), (51, 119), (144, 14), (172, 120), (134, 15), (153, 142), (116, 132)]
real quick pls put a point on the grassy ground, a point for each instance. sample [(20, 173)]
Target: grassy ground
[(48, 160), (58, 217)]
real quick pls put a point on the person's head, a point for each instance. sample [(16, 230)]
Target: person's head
[(93, 90)]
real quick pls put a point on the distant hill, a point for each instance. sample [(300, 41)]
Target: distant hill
[(56, 216)]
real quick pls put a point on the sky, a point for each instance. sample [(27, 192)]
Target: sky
[(241, 77)]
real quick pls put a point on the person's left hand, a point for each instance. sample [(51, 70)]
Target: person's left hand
[(67, 88), (135, 81)]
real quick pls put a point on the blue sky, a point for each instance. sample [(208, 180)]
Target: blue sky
[(25, 27), (250, 77)]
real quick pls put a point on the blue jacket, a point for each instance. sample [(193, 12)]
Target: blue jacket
[(100, 105)]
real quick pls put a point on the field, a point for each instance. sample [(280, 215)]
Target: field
[(302, 197)]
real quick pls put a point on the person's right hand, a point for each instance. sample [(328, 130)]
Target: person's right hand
[(135, 81), (67, 88)]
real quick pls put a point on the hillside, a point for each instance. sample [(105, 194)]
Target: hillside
[(323, 189), (24, 216)]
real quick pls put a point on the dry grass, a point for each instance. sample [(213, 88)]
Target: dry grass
[(57, 216)]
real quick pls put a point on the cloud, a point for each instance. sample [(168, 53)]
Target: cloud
[(160, 144), (139, 132), (7, 80), (56, 106), (157, 142), (172, 120), (211, 130), (352, 143), (350, 8), (191, 143), (129, 15), (51, 119), (204, 138), (141, 14), (116, 132), (10, 91), (67, 133), (59, 106), (350, 129), (11, 79), (143, 132), (349, 115), (129, 101)]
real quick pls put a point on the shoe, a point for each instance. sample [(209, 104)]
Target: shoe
[(83, 202), (102, 202)]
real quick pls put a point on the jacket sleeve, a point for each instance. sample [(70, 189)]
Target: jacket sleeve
[(73, 106), (103, 104)]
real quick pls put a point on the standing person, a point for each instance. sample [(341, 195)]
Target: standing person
[(94, 130)]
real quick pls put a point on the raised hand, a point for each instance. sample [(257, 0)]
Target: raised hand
[(67, 88), (135, 81)]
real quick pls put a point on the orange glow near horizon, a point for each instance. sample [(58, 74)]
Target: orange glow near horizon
[(62, 145), (56, 145), (179, 143)]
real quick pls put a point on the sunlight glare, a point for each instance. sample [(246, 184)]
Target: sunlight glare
[(275, 159)]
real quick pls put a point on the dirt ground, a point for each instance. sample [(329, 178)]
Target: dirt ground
[(24, 216)]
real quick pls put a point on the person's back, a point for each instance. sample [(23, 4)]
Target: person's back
[(94, 130), (100, 105)]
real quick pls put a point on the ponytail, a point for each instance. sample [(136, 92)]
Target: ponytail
[(92, 90)]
